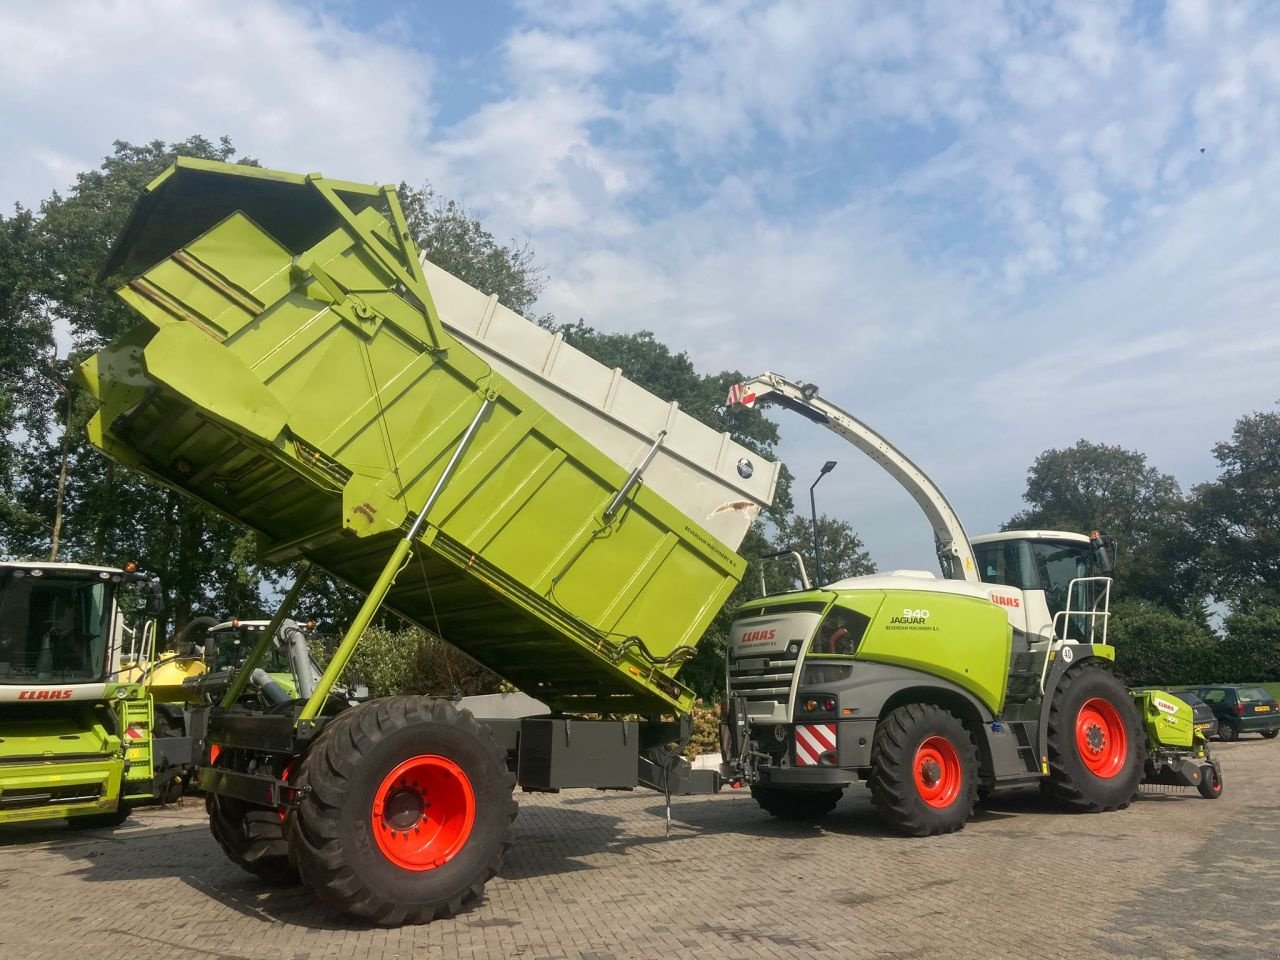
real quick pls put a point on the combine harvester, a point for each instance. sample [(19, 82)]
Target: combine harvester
[(303, 371)]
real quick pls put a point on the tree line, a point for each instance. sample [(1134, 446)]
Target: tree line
[(1197, 582), (1184, 556)]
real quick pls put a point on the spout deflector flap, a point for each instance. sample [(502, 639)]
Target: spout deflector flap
[(214, 379)]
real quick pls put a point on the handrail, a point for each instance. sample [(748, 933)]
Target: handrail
[(1062, 636)]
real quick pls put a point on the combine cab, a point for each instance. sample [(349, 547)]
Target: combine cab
[(75, 742)]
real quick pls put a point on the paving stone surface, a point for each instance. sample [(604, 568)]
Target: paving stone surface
[(592, 876)]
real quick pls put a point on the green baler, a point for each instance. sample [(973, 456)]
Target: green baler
[(297, 372)]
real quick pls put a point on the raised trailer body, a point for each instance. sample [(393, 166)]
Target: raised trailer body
[(294, 372), (302, 371)]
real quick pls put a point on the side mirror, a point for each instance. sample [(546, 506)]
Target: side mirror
[(155, 600), (1104, 550)]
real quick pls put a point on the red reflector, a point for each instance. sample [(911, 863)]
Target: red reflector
[(214, 752), (135, 731), (829, 704)]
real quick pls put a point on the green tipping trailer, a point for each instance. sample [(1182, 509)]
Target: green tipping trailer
[(485, 480)]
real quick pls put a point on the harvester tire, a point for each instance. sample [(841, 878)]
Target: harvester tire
[(1210, 785), (1096, 745), (252, 837), (97, 821), (924, 770), (406, 811), (796, 804)]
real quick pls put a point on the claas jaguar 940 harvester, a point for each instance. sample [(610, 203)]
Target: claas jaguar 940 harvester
[(302, 370)]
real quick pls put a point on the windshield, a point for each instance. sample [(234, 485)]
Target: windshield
[(53, 628), (1048, 565), (1253, 695), (231, 648)]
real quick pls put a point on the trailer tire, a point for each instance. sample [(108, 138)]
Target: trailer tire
[(924, 770), (98, 821), (796, 804), (381, 769), (252, 837), (1096, 745), (1210, 785)]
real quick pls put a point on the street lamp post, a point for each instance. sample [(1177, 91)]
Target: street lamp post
[(813, 507)]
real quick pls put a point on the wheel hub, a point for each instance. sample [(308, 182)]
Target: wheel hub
[(1102, 742), (1096, 738), (423, 812), (939, 775), (405, 807)]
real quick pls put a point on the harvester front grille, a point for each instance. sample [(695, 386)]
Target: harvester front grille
[(761, 680), (33, 797)]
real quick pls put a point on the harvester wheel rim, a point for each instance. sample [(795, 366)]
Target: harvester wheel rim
[(938, 772), (1101, 738), (423, 812)]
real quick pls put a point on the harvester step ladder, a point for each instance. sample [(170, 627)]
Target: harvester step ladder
[(137, 723)]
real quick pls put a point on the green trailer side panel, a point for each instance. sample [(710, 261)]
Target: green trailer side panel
[(299, 381), (966, 640)]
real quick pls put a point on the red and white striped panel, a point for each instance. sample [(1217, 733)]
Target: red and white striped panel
[(812, 741)]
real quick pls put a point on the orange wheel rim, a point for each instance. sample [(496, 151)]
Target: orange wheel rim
[(938, 773), (1101, 738), (423, 812)]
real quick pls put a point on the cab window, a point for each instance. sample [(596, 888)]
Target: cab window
[(839, 633), (1008, 563)]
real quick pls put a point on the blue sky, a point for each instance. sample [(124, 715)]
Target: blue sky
[(986, 228)]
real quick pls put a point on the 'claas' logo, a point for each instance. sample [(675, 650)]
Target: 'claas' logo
[(1005, 601), (757, 636), (44, 694)]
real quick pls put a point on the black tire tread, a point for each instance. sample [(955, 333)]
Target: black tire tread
[(331, 765), (1210, 785), (252, 838), (1060, 785), (892, 779)]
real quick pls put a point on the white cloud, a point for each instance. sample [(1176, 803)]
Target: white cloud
[(295, 89), (987, 228)]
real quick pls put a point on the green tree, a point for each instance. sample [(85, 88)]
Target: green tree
[(1250, 651), (26, 349), (1237, 517), (1093, 486), (107, 515), (1156, 647), (457, 242), (843, 554), (395, 659)]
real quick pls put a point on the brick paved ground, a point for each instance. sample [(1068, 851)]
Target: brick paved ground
[(591, 877)]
